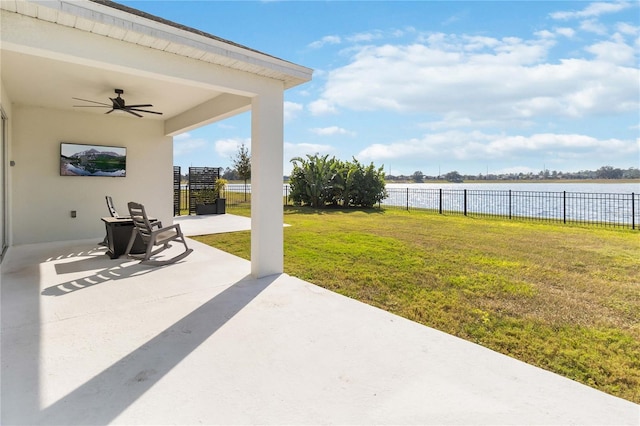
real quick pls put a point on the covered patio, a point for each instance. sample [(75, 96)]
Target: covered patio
[(90, 340), (212, 339), (63, 62)]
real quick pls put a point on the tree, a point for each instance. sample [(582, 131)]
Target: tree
[(418, 176), (453, 177), (631, 173), (608, 172), (230, 174), (242, 164)]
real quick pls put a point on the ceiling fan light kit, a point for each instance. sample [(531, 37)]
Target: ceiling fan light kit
[(118, 104)]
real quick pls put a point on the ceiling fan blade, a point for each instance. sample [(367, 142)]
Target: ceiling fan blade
[(143, 110), (131, 112), (116, 103), (110, 111), (93, 102), (138, 106), (92, 106)]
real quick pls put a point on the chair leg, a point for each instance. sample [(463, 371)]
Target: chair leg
[(168, 261), (150, 252), (131, 241)]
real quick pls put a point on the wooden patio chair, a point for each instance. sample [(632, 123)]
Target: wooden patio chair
[(153, 235)]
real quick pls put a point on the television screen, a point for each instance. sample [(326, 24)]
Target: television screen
[(92, 160)]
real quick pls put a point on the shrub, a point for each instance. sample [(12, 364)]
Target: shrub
[(319, 181)]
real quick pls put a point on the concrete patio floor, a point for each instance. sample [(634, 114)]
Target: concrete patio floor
[(212, 224), (90, 340)]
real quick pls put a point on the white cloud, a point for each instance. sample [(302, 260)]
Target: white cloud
[(628, 29), (332, 130), (321, 107), (184, 144), (331, 39), (567, 32), (466, 146), (593, 26), (545, 34), (228, 148), (481, 78), (292, 150), (455, 18), (291, 110), (592, 10), (455, 121), (368, 36), (615, 52)]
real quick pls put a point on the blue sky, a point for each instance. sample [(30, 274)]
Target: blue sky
[(437, 86)]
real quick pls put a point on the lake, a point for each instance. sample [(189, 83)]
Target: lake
[(616, 204), (588, 202), (601, 188)]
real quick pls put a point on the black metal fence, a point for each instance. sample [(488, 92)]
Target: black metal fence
[(600, 209), (595, 209), (184, 198), (177, 190)]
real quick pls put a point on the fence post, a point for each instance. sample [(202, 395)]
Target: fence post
[(633, 210), (407, 198), (465, 202), (564, 206), (440, 202), (509, 204)]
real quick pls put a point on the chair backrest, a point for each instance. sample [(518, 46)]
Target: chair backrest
[(112, 209), (140, 220)]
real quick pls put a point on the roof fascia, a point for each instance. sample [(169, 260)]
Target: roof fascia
[(292, 74)]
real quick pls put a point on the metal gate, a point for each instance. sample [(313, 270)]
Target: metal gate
[(176, 190)]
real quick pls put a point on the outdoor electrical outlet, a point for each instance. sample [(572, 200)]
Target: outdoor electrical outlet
[(73, 213)]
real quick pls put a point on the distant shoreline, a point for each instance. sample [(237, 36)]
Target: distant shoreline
[(613, 181), (489, 181)]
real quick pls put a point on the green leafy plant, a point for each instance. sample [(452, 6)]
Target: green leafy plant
[(210, 195), (219, 187), (319, 181)]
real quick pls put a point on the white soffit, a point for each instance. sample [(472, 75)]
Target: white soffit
[(110, 21)]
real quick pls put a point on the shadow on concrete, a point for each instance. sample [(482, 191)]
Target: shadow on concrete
[(120, 269), (111, 392)]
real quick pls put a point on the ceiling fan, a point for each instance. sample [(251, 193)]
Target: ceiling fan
[(118, 104)]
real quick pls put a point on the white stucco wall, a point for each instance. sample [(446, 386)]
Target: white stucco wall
[(43, 200)]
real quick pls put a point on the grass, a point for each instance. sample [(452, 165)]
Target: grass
[(563, 298)]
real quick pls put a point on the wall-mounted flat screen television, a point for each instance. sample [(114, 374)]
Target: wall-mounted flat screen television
[(92, 160)]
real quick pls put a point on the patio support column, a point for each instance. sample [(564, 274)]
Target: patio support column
[(267, 239)]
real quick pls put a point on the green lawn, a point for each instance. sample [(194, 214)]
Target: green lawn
[(564, 298)]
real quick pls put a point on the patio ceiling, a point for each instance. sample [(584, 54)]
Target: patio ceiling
[(49, 83), (116, 37)]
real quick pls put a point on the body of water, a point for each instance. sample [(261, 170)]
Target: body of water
[(600, 188), (615, 204)]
